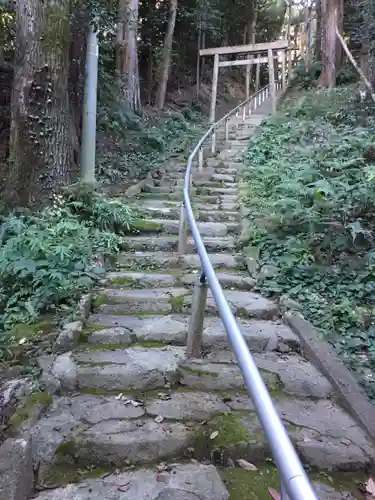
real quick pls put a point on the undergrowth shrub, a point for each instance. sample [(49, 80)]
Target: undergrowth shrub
[(131, 145), (46, 259), (311, 179)]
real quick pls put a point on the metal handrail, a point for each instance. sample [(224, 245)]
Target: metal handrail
[(294, 483)]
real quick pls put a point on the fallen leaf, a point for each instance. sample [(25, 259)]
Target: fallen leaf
[(119, 396), (274, 494), (124, 487), (159, 419), (136, 403), (214, 434), (370, 487), (345, 441), (244, 464), (161, 477)]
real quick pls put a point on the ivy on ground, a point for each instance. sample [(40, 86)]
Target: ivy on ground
[(309, 187)]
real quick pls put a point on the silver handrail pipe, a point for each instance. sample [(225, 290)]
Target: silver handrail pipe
[(294, 483)]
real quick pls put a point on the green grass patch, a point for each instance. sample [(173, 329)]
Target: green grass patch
[(310, 180)]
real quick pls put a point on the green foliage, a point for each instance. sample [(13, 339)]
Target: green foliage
[(311, 179), (46, 259), (143, 143), (306, 77)]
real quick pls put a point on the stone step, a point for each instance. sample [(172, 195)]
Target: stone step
[(198, 182), (188, 481), (109, 430), (217, 190), (166, 260), (219, 261), (172, 329), (223, 178), (147, 369), (202, 212), (170, 243), (151, 280), (145, 428), (243, 304), (226, 169), (171, 226)]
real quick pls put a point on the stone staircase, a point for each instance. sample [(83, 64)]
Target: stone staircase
[(139, 421)]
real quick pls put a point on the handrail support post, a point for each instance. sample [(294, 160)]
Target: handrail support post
[(183, 230), (200, 159), (195, 331), (213, 143)]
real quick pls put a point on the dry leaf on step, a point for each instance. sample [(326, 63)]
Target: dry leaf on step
[(124, 487), (274, 494), (370, 488), (159, 419), (214, 434), (244, 464)]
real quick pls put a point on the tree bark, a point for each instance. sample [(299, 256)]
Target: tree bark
[(167, 52), (329, 43), (340, 26), (318, 36), (127, 55), (41, 145)]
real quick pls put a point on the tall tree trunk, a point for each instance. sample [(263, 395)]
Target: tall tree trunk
[(340, 26), (318, 35), (329, 17), (251, 34), (167, 52), (41, 150), (127, 55)]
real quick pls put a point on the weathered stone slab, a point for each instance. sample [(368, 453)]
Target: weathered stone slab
[(184, 482), (246, 305), (148, 260), (111, 442), (16, 469), (259, 335), (227, 280), (221, 260), (111, 336), (299, 377), (149, 243), (157, 300), (133, 279), (127, 369), (187, 406), (205, 376), (325, 436)]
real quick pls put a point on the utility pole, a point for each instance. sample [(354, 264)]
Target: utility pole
[(88, 144)]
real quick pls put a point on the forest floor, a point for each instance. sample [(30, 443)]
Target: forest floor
[(138, 420)]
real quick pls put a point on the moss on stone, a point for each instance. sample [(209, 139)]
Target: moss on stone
[(63, 474), (98, 300), (89, 330), (34, 331), (67, 448), (146, 225), (199, 373), (177, 303), (149, 343), (253, 485), (230, 429), (25, 409), (86, 347), (122, 281)]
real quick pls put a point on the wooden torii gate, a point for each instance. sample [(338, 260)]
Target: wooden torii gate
[(257, 48)]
